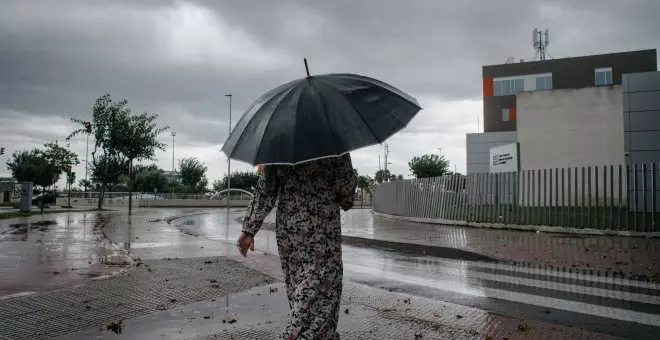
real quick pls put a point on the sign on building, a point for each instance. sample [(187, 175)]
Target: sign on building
[(504, 158)]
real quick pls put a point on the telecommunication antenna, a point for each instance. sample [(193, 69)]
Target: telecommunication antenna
[(541, 41)]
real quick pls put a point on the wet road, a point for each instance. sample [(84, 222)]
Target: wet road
[(615, 306), (40, 253)]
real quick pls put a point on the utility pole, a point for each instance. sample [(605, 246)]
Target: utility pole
[(387, 151), (173, 133), (229, 160)]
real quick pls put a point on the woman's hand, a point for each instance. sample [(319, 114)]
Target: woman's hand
[(245, 242)]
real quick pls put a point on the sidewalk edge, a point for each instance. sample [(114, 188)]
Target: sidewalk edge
[(537, 228)]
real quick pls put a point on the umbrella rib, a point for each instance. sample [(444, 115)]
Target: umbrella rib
[(380, 83), (242, 132), (354, 109), (270, 119)]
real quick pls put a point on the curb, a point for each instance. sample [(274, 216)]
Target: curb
[(420, 249), (538, 228)]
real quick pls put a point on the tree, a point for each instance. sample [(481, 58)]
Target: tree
[(60, 158), (364, 184), (386, 176), (41, 167), (149, 178), (429, 165), (85, 183), (107, 171), (119, 139), (245, 180), (140, 141), (193, 174)]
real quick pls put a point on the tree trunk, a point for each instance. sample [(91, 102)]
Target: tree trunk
[(130, 186), (43, 198), (101, 195)]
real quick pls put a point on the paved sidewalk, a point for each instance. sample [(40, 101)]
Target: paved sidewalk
[(260, 312), (631, 257)]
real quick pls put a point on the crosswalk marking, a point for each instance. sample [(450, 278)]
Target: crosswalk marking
[(547, 302), (528, 270), (564, 287)]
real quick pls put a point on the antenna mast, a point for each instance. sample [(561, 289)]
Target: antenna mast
[(541, 41)]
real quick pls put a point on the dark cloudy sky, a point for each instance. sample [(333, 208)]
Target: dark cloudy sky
[(179, 58)]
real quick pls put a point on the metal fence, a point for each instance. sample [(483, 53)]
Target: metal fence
[(612, 197)]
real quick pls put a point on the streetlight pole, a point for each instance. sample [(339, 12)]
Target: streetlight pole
[(229, 160), (173, 133), (86, 161)]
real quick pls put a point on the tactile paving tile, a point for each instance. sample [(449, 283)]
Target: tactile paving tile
[(379, 314), (154, 285)]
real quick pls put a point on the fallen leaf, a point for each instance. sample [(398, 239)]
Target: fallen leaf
[(115, 327), (172, 300), (215, 285), (207, 317), (459, 316), (346, 311), (208, 262), (214, 281), (273, 290), (149, 269)]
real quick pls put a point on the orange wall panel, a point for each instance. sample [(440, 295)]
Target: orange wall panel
[(488, 87), (512, 114)]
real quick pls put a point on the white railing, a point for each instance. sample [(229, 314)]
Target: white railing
[(621, 197)]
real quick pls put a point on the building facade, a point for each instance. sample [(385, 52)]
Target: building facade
[(579, 98), (501, 83)]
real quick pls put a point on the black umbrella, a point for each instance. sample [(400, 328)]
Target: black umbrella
[(317, 117)]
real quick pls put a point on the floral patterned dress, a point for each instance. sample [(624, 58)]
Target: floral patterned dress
[(309, 197)]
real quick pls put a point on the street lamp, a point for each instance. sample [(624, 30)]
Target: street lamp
[(228, 159), (173, 133)]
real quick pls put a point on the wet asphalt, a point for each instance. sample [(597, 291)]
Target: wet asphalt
[(607, 305), (52, 250)]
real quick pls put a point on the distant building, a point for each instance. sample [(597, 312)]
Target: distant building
[(563, 112), (8, 190)]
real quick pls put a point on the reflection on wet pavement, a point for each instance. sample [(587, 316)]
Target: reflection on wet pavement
[(604, 304), (48, 251), (60, 249), (630, 256)]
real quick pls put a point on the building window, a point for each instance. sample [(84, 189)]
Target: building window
[(603, 76), (544, 83), (508, 87), (505, 115)]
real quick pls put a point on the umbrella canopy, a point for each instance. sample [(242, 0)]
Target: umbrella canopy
[(317, 117)]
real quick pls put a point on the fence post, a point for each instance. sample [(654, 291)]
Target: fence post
[(645, 201), (596, 223), (653, 195), (563, 197), (611, 224), (636, 196)]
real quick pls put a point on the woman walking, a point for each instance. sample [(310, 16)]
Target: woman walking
[(308, 229)]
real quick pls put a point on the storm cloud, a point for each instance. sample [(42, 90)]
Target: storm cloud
[(179, 59)]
